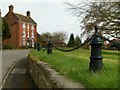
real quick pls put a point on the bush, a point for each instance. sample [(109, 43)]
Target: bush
[(7, 46), (115, 46), (86, 47), (25, 47)]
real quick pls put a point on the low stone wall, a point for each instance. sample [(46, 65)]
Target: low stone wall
[(45, 77)]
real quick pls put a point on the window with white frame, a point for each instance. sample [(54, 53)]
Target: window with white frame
[(32, 43), (28, 35), (28, 43), (23, 41), (27, 26), (32, 33), (23, 33), (23, 25), (32, 27)]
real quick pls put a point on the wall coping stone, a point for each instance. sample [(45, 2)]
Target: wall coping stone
[(56, 78)]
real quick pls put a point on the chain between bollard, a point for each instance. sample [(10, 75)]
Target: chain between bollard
[(74, 48)]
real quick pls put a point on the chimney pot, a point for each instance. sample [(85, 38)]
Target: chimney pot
[(28, 13), (11, 8)]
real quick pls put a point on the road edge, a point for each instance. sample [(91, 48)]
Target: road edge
[(7, 74)]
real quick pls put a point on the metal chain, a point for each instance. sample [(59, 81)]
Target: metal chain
[(75, 47)]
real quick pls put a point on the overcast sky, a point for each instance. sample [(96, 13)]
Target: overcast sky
[(50, 15)]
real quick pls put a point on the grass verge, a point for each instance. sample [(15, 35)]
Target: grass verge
[(74, 65)]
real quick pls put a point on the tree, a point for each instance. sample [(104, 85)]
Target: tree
[(104, 14), (77, 41), (115, 44), (46, 35), (71, 41), (59, 36), (5, 30), (55, 36)]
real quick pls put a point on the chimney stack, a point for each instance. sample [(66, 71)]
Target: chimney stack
[(28, 13), (11, 8)]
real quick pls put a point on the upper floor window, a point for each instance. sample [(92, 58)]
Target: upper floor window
[(28, 34), (23, 25), (23, 33), (32, 27), (27, 26), (32, 34)]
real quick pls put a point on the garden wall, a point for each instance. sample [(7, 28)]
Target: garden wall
[(45, 77)]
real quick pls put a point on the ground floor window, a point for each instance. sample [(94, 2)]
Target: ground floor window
[(28, 43), (23, 41), (32, 43)]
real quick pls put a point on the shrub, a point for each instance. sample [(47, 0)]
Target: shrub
[(24, 47), (7, 46)]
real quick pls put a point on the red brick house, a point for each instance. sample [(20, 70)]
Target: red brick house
[(23, 29)]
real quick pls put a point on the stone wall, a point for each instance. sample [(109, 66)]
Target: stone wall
[(45, 77)]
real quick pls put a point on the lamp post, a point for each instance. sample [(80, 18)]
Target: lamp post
[(96, 63)]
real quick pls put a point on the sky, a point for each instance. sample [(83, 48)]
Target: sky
[(50, 15)]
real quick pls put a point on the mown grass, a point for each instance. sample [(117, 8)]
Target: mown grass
[(74, 65)]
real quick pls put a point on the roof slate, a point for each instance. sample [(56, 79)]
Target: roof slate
[(25, 18)]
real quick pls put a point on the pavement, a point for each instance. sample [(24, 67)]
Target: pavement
[(15, 64)]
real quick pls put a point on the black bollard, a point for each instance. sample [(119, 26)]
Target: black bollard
[(49, 47), (34, 45), (38, 47), (96, 63)]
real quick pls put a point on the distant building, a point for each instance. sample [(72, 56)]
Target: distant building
[(23, 29), (44, 40)]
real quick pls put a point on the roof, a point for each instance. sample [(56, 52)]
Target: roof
[(25, 18)]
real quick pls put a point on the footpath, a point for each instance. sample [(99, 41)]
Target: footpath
[(18, 78)]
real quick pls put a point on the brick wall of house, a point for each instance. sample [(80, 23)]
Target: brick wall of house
[(13, 26), (16, 29), (20, 35), (35, 31)]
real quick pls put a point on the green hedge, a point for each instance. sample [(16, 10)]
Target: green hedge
[(8, 46)]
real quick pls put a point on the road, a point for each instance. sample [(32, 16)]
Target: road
[(18, 77)]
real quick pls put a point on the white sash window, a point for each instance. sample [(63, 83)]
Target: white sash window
[(32, 43), (23, 42), (23, 33), (23, 25), (32, 33), (32, 27)]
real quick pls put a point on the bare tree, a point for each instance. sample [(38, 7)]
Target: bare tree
[(61, 36), (105, 14), (55, 36)]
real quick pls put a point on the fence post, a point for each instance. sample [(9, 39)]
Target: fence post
[(49, 47), (34, 45), (38, 46), (96, 63)]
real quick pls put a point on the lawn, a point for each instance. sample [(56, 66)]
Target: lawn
[(75, 65)]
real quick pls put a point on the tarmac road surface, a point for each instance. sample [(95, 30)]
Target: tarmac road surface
[(17, 77)]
